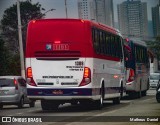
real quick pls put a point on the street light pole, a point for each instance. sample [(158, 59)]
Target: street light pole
[(66, 8), (20, 41)]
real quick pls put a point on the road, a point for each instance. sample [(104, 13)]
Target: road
[(72, 115)]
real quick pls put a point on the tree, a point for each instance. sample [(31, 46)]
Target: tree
[(4, 58), (154, 46), (9, 22)]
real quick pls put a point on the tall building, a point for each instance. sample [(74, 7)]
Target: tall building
[(97, 10), (156, 20), (133, 20), (86, 9)]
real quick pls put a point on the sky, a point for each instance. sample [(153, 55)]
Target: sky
[(72, 7)]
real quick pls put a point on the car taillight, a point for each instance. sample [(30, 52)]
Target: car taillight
[(16, 84), (30, 80), (131, 75), (86, 77)]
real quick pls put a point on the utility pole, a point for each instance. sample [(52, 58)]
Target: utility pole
[(20, 40), (66, 8)]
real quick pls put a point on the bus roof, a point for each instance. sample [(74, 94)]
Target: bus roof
[(92, 23), (138, 41)]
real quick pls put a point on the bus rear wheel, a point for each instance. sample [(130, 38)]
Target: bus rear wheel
[(116, 100), (98, 104)]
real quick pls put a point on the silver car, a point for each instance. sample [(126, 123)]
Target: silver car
[(154, 79), (13, 91)]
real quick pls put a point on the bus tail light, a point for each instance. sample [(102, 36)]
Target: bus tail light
[(16, 84), (131, 75), (30, 79), (86, 77)]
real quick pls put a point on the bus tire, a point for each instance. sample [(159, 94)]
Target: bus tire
[(99, 103), (144, 93), (121, 90), (132, 95), (139, 94), (74, 103), (32, 104), (116, 100), (49, 105)]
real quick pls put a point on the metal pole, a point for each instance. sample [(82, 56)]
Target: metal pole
[(20, 41), (66, 8)]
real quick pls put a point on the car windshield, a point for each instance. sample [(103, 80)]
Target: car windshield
[(6, 82), (154, 77)]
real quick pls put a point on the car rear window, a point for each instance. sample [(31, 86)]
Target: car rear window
[(154, 77), (6, 82)]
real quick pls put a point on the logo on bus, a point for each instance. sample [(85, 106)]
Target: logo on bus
[(48, 47)]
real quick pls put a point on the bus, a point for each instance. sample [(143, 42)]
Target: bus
[(137, 67), (74, 61)]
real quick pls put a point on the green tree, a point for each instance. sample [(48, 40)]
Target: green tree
[(9, 24), (155, 46), (4, 58)]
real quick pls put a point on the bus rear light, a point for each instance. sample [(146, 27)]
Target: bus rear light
[(131, 75), (30, 79), (86, 77), (29, 72), (16, 84)]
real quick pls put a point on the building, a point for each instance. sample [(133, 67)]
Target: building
[(97, 10), (85, 9), (156, 20), (133, 20)]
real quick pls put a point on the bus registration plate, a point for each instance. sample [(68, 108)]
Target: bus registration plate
[(57, 92)]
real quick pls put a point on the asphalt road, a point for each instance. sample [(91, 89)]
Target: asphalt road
[(145, 108)]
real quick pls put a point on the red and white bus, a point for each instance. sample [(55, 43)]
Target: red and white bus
[(75, 61), (138, 67)]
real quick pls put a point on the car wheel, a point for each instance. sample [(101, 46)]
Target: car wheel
[(21, 103), (32, 104)]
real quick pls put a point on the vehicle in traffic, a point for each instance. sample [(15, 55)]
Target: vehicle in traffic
[(13, 91), (137, 67), (158, 93), (75, 61), (154, 79)]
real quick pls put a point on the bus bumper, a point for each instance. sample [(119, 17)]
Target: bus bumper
[(61, 94)]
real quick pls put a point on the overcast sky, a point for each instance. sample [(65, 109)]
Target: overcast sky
[(71, 5)]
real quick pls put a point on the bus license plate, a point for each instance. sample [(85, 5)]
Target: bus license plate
[(57, 92), (60, 47)]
